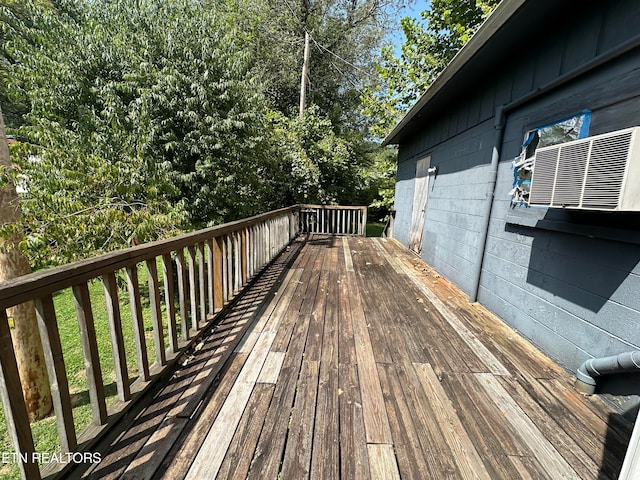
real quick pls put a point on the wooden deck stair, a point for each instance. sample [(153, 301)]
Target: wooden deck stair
[(350, 358)]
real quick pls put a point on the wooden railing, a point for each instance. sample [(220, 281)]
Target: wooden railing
[(189, 279), (333, 220)]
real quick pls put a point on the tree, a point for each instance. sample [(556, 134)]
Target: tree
[(429, 46), (24, 332), (314, 164), (345, 42), (144, 119)]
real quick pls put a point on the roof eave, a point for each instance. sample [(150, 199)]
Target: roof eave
[(503, 12)]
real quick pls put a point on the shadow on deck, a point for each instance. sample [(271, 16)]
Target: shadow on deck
[(350, 358)]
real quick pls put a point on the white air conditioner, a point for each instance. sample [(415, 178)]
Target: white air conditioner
[(595, 173)]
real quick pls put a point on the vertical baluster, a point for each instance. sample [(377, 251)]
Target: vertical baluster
[(202, 280), (229, 263), (268, 243), (138, 323), (156, 311), (210, 277), (335, 217), (84, 314), (169, 301), (218, 283), (15, 411), (182, 294), (117, 340), (363, 223), (50, 336), (236, 262), (335, 226), (356, 222), (193, 287), (250, 256), (261, 247), (244, 260)]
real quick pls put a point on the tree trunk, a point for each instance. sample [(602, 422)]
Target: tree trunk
[(24, 328)]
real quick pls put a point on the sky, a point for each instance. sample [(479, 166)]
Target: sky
[(411, 10)]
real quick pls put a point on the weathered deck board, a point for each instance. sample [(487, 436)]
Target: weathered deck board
[(359, 361)]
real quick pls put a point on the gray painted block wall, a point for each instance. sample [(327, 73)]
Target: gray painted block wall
[(573, 296)]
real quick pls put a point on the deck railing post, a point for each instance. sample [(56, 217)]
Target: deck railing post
[(50, 336), (117, 339), (210, 276), (15, 410), (84, 314), (193, 288), (169, 301), (138, 323), (218, 295), (182, 294), (202, 283), (156, 311)]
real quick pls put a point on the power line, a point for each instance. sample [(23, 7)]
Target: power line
[(325, 49)]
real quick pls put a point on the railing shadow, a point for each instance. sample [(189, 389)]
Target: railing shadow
[(185, 386)]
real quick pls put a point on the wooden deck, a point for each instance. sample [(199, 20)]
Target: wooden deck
[(350, 358)]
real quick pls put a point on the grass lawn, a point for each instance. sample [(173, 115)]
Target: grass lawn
[(44, 431), (375, 229)]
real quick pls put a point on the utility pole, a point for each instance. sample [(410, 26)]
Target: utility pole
[(305, 75)]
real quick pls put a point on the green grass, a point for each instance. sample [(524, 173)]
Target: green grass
[(375, 229), (44, 431)]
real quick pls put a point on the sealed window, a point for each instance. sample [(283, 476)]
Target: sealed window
[(561, 131)]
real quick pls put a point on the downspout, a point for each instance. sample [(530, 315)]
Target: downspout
[(596, 367), (486, 215)]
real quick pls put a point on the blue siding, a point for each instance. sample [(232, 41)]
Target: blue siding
[(573, 296)]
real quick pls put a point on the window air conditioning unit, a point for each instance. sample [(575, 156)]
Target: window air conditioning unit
[(595, 173)]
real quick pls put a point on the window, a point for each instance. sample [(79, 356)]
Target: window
[(561, 131)]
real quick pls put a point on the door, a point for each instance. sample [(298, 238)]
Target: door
[(420, 193)]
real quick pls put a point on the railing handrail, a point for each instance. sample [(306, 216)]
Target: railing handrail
[(20, 289)]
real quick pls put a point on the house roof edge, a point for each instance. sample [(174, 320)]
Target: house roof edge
[(502, 13)]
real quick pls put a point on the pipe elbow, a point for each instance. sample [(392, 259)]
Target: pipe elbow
[(595, 367)]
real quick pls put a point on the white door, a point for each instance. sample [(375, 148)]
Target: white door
[(420, 193)]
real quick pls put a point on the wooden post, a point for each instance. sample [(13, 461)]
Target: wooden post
[(15, 411), (218, 296), (243, 255), (193, 288), (117, 338), (84, 313), (156, 311), (48, 325), (210, 276), (182, 294), (138, 324), (169, 300), (202, 283)]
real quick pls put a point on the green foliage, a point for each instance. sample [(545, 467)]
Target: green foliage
[(144, 118), (381, 177), (315, 165), (346, 38), (429, 46)]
